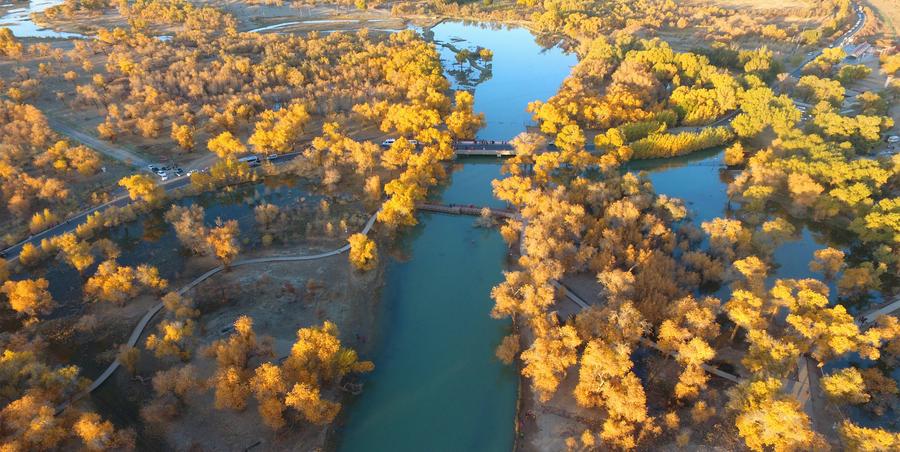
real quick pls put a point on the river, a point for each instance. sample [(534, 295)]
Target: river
[(520, 72), (437, 384)]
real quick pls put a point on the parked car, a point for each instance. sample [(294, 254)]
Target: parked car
[(271, 156), (163, 177), (388, 142), (252, 160), (179, 172), (153, 167)]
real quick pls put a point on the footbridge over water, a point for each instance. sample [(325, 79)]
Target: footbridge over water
[(492, 148), (468, 209)]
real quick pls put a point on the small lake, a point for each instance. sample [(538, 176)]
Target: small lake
[(701, 181), (18, 20)]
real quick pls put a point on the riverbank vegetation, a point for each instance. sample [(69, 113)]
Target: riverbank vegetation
[(653, 328), (654, 274), (44, 178), (211, 89)]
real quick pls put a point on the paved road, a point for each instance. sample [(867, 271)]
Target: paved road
[(481, 147), (842, 41), (120, 198)]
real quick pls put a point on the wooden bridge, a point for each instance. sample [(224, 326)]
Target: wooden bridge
[(469, 209)]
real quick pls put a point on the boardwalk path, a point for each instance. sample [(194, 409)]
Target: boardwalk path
[(151, 313), (142, 325)]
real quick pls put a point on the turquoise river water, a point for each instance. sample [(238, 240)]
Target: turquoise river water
[(437, 385)]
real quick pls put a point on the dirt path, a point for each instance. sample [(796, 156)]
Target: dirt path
[(105, 148), (145, 321)]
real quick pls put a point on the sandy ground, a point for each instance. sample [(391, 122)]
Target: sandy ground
[(889, 13), (545, 426), (46, 100), (277, 297)]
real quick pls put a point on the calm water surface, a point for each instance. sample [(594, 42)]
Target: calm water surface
[(437, 385), (701, 182), (521, 72), (18, 20)]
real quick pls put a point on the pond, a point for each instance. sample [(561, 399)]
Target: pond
[(18, 20), (701, 181)]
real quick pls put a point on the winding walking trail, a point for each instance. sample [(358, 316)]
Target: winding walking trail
[(145, 321)]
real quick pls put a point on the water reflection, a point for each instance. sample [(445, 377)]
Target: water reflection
[(701, 181), (520, 72), (18, 20)]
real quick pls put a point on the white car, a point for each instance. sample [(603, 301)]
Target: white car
[(164, 177), (271, 156), (388, 142)]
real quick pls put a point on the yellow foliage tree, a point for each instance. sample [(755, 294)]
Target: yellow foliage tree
[(231, 389), (363, 252), (29, 296), (278, 131), (223, 240), (766, 418), (306, 399), (864, 439), (845, 386), (143, 187), (462, 122), (226, 146), (549, 358)]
